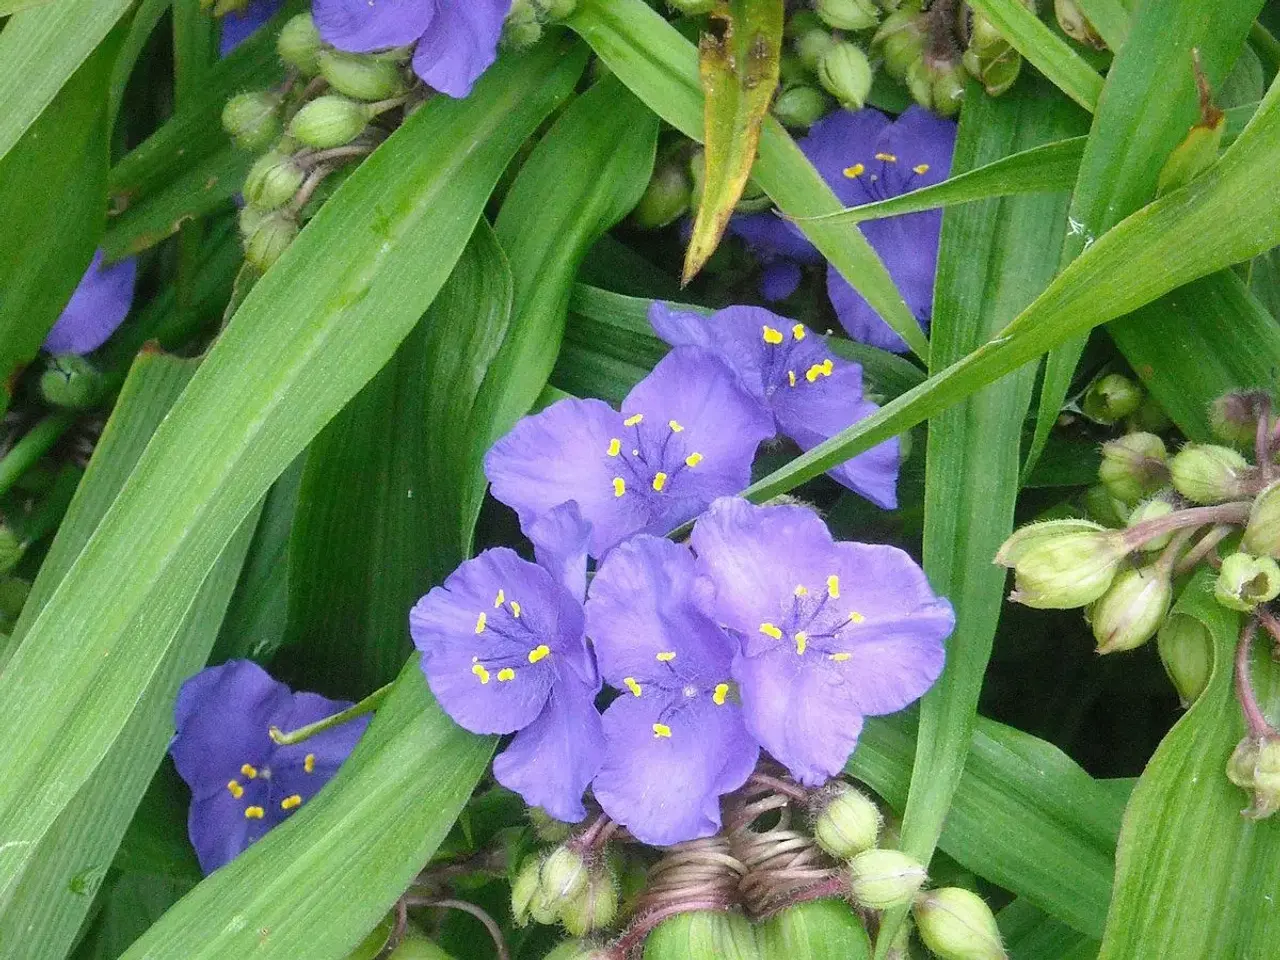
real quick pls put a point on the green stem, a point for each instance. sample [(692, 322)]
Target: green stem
[(37, 442), (1266, 45), (368, 705)]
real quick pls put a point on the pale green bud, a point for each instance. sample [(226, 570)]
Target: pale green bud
[(524, 889), (523, 26), (1133, 466), (554, 11), (845, 73), (249, 219), (1245, 581), (564, 875), (801, 107), (1262, 534), (919, 81), (957, 924), (252, 119), (272, 181), (417, 947), (1062, 564), (1152, 510), (1255, 767), (1131, 611), (71, 381), (1075, 24), (360, 75), (811, 44), (1186, 650), (666, 199), (1204, 473), (845, 821), (1233, 417), (992, 62), (329, 121), (1111, 398), (299, 44), (901, 40), (848, 14), (883, 879), (595, 908), (270, 238), (946, 89)]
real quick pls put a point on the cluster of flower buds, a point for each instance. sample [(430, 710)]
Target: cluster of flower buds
[(989, 57), (921, 48), (823, 62), (575, 885)]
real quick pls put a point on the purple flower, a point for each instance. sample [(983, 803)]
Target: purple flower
[(504, 650), (812, 394), (239, 25), (675, 738), (830, 632), (457, 39), (242, 783), (98, 306), (864, 157), (687, 434)]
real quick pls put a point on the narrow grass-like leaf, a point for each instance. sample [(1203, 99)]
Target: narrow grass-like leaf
[(1031, 934)]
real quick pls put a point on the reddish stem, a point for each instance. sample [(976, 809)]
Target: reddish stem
[(778, 785), (1259, 727), (1140, 533), (643, 925)]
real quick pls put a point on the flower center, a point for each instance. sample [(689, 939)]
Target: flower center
[(516, 643), (814, 621), (252, 785), (650, 458), (779, 365), (889, 178), (680, 689)]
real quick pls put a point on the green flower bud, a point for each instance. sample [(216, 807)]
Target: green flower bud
[(72, 382), (883, 879), (1255, 767), (1075, 24), (801, 107), (1062, 564), (1243, 759), (1150, 417), (524, 890), (269, 239), (1133, 466), (554, 11), (1131, 611), (666, 199), (1233, 418), (811, 45), (329, 121), (523, 26), (417, 947), (360, 75), (753, 199), (946, 89), (848, 14), (1152, 510), (990, 58), (1262, 534), (546, 827), (299, 44), (1204, 473), (957, 924), (1245, 581), (272, 181), (901, 40), (249, 218), (564, 875), (595, 908), (845, 821), (1111, 398), (919, 81), (1186, 650), (845, 73), (252, 120), (12, 548)]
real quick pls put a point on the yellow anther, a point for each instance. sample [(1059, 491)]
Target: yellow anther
[(309, 763), (515, 609), (675, 425), (721, 691), (802, 642), (479, 670), (833, 587), (254, 813), (630, 684), (502, 598), (540, 652), (856, 617), (798, 331), (801, 590), (791, 377), (839, 657), (769, 630), (619, 486), (659, 481), (771, 335), (693, 459), (615, 447), (249, 770), (921, 169), (661, 730), (632, 420), (854, 171), (235, 789), (506, 674), (666, 656), (288, 803), (480, 622), (886, 158), (822, 369)]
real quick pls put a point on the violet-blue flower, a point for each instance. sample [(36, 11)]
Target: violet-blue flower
[(687, 433), (866, 156), (239, 25), (242, 783), (98, 306), (675, 739), (831, 631), (812, 393), (456, 40), (504, 651)]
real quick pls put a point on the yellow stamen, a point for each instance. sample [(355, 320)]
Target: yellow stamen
[(921, 169), (822, 369), (801, 590), (769, 630), (833, 587), (632, 420), (661, 730), (254, 813), (659, 481), (502, 598), (721, 691), (675, 426), (839, 657), (791, 377), (249, 770), (506, 674), (480, 622), (540, 652), (288, 803), (479, 670), (886, 158), (615, 447), (802, 642), (798, 331), (771, 335), (235, 789), (854, 171), (693, 459), (515, 609), (619, 486), (666, 656), (856, 617), (309, 763), (630, 683)]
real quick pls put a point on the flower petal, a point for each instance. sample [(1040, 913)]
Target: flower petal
[(772, 237), (98, 306), (841, 141), (327, 750), (560, 539), (220, 831), (780, 279), (238, 26), (460, 44), (361, 26)]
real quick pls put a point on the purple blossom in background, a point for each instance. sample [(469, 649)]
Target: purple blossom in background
[(830, 632), (98, 306), (675, 739), (812, 394), (456, 40), (864, 157), (686, 434), (504, 650), (238, 26), (242, 783)]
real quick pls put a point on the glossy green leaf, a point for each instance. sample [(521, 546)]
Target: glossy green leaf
[(1194, 878), (660, 66)]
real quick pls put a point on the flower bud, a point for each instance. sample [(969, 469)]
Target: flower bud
[(811, 44), (753, 199), (957, 924), (1197, 152), (845, 821), (883, 879), (564, 875), (1233, 417), (1152, 510), (594, 908), (1245, 581), (946, 88), (666, 199), (1111, 398), (1262, 534), (845, 73), (360, 75), (522, 28), (996, 66), (269, 239), (901, 40), (12, 548), (329, 121), (71, 382), (299, 44), (1133, 466), (252, 119), (1062, 564), (1186, 650), (417, 947), (1204, 473), (1131, 611), (524, 890), (800, 107), (1150, 416), (1255, 767), (272, 181), (848, 14), (554, 11)]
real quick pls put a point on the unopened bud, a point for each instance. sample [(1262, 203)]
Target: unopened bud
[(299, 44), (523, 27), (594, 908), (71, 381), (1075, 24), (753, 199), (946, 89), (845, 73), (272, 181), (919, 81), (1233, 417), (417, 947), (800, 107), (1186, 650), (360, 75), (1060, 564), (1204, 473), (12, 548), (554, 11), (848, 14), (524, 890), (883, 879), (1196, 153), (1150, 417), (252, 119), (1133, 466), (957, 924), (1262, 534), (996, 68), (269, 239), (901, 40), (666, 199), (329, 121), (845, 821), (1111, 398), (1131, 611), (1152, 510), (1245, 581), (811, 44), (1255, 767), (564, 874)]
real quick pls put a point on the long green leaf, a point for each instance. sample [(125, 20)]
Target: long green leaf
[(1031, 934)]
